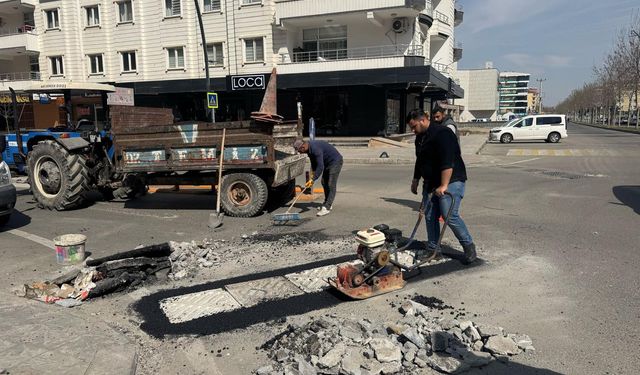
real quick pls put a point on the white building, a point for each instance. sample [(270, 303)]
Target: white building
[(481, 94), (513, 89), (357, 65)]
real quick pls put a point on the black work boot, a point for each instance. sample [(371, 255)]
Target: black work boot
[(470, 255)]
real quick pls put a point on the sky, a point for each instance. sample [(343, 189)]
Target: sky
[(557, 40)]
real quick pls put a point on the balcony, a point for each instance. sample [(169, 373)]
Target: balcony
[(292, 9), (18, 80), (457, 52), (458, 16), (374, 57), (19, 40), (442, 68)]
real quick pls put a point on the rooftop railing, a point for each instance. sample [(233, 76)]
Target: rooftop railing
[(352, 53), (20, 76)]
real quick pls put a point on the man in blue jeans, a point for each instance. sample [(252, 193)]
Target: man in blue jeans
[(326, 161), (440, 164)]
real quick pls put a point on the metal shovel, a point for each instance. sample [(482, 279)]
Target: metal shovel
[(215, 220)]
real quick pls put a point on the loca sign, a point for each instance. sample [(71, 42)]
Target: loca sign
[(251, 82)]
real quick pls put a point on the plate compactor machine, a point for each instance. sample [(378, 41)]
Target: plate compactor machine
[(380, 271)]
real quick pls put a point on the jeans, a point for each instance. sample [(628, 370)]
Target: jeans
[(439, 207), (330, 183)]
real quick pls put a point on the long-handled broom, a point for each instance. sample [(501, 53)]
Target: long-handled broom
[(287, 216)]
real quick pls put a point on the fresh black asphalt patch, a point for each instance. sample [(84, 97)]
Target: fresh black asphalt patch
[(156, 323)]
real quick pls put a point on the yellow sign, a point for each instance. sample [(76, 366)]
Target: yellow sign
[(6, 99)]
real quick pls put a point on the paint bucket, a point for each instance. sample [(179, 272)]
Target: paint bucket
[(70, 248)]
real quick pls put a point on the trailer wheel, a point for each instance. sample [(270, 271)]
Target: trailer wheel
[(282, 194), (58, 178), (243, 194)]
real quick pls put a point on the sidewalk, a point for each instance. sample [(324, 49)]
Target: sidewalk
[(47, 339), (470, 145)]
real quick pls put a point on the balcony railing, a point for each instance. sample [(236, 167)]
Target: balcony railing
[(441, 17), (20, 76), (352, 53), (442, 68), (25, 29)]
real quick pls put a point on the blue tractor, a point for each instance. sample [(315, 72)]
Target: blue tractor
[(64, 162)]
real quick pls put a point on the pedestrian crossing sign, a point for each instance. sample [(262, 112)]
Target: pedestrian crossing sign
[(212, 100)]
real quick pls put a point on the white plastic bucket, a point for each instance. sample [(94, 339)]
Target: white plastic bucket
[(70, 248)]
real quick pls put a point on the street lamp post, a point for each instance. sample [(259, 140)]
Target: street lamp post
[(540, 80), (206, 58)]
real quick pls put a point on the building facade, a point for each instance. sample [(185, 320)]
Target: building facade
[(357, 66), (481, 94), (513, 88)]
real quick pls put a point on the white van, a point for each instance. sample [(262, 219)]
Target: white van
[(550, 128)]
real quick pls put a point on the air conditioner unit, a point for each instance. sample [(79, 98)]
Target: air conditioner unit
[(399, 25)]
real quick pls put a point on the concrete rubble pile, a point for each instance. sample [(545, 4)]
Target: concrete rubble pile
[(188, 258), (423, 340), (101, 276)]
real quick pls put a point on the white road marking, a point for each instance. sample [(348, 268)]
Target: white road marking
[(520, 161), (129, 212), (197, 305), (32, 237)]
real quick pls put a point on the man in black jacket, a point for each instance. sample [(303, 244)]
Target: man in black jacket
[(439, 163)]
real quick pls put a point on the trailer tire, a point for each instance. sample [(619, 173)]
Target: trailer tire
[(283, 194), (59, 179), (243, 194)]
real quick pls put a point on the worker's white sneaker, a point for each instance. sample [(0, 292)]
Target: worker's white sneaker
[(323, 211), (321, 207)]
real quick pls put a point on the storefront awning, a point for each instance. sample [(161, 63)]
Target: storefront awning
[(75, 87), (416, 78)]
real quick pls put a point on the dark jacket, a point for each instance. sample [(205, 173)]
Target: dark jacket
[(436, 150), (322, 155)]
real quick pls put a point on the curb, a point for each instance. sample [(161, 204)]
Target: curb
[(634, 131), (378, 161)]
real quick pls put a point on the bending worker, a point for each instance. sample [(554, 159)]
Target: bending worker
[(440, 164), (326, 161)]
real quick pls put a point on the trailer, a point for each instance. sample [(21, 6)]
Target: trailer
[(143, 146)]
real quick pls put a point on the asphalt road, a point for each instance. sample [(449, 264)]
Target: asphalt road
[(558, 236)]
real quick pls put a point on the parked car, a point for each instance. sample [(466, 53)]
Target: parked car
[(550, 128), (7, 194)]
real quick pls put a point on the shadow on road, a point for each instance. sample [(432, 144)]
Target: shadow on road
[(413, 204), (17, 220), (629, 196)]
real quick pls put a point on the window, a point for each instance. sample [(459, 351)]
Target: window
[(125, 11), (215, 54), (249, 2), (211, 5), (96, 64), (172, 8), (56, 65), (128, 61), (325, 43), (176, 58), (549, 120), (53, 22), (93, 16), (253, 50)]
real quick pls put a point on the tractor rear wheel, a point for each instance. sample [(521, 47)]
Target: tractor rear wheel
[(59, 179)]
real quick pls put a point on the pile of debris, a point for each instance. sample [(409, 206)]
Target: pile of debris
[(187, 257), (102, 276), (422, 338)]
